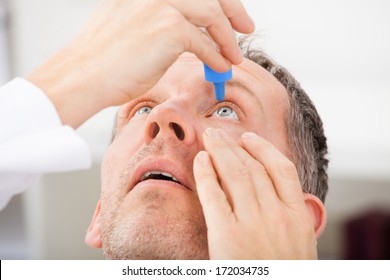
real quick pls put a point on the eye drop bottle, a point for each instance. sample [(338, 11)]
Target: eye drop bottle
[(217, 78)]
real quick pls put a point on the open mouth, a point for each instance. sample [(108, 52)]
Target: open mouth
[(159, 175), (167, 173)]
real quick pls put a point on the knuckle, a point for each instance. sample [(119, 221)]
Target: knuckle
[(212, 11), (174, 19), (169, 18)]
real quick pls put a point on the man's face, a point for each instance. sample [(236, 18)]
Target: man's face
[(149, 204)]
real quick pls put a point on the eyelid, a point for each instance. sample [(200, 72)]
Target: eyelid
[(220, 104), (140, 103)]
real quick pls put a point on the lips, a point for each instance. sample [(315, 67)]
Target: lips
[(163, 170), (159, 175)]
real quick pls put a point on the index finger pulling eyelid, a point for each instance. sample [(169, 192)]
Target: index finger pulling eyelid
[(262, 184), (234, 177)]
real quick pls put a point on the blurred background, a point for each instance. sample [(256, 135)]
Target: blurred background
[(338, 50)]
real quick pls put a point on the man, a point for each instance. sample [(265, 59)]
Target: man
[(172, 186), (175, 187)]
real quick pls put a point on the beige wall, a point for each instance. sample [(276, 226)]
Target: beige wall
[(68, 202)]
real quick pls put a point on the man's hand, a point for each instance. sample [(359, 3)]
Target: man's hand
[(252, 200), (128, 45)]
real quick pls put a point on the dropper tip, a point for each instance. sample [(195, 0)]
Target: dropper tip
[(219, 89)]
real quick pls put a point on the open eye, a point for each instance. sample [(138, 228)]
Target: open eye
[(144, 110), (226, 112)]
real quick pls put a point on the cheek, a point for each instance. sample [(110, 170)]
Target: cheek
[(127, 142), (118, 156)]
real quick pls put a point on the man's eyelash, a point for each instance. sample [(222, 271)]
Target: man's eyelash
[(215, 107), (209, 112), (141, 103)]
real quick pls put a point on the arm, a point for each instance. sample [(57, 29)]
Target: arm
[(128, 45), (32, 139)]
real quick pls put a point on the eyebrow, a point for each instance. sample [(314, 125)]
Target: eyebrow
[(239, 84)]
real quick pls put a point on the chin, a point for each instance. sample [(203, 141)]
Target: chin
[(160, 229)]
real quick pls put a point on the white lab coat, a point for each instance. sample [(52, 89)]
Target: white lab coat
[(32, 139)]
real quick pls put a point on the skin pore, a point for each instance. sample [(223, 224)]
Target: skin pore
[(162, 131)]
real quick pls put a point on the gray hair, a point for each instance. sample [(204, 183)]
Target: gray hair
[(305, 132)]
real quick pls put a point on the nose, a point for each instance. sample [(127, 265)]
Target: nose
[(170, 120)]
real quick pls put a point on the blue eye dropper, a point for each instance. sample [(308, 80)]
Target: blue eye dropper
[(218, 79)]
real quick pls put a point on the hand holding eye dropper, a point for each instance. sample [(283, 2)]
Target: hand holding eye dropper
[(217, 78)]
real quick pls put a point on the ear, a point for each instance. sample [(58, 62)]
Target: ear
[(93, 237), (317, 212)]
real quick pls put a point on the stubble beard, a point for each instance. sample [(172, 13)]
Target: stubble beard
[(150, 232)]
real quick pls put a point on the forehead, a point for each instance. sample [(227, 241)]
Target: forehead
[(188, 71)]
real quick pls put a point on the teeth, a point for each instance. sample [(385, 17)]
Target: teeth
[(169, 175), (147, 174)]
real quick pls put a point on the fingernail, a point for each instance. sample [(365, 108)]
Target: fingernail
[(212, 132), (203, 158), (249, 135)]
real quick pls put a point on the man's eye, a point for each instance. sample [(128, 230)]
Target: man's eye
[(226, 112), (144, 110)]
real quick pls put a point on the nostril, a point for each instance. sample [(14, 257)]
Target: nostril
[(178, 130), (154, 130)]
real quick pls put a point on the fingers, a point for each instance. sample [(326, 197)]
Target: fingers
[(201, 45), (203, 13), (254, 174), (215, 206), (238, 16), (234, 177), (219, 17), (281, 170), (262, 184), (223, 35)]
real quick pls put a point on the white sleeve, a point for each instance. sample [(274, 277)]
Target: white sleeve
[(33, 140)]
